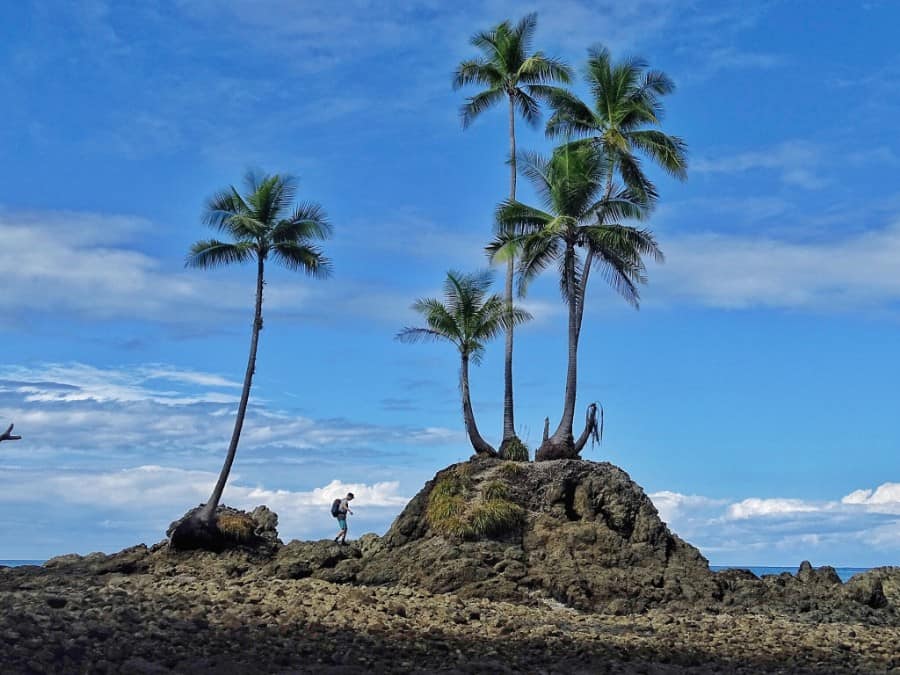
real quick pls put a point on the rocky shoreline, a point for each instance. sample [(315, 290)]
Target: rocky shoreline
[(52, 621), (558, 567)]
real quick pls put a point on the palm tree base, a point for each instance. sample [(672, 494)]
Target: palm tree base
[(193, 532), (514, 449), (551, 449)]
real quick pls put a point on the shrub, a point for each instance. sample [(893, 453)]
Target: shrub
[(236, 527), (451, 514), (495, 516), (495, 489), (514, 450), (511, 469)]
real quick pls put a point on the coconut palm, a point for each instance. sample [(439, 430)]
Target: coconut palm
[(622, 120), (579, 230), (509, 71), (262, 225), (468, 317)]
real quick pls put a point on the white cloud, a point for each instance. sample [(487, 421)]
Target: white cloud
[(797, 161), (79, 411), (152, 495), (860, 528), (738, 271)]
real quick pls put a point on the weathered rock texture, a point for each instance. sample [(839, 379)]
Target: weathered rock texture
[(590, 538)]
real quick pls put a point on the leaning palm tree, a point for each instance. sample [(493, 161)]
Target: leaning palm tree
[(622, 121), (508, 70), (468, 317), (579, 230), (263, 225)]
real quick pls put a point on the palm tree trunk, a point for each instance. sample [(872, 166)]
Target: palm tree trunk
[(480, 445), (210, 508), (509, 428), (563, 437)]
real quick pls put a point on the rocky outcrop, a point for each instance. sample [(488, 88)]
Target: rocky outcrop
[(589, 538), (577, 532)]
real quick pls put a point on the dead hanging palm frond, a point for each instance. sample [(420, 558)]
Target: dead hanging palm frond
[(593, 427), (8, 435)]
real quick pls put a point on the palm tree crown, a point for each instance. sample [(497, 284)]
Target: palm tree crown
[(626, 109), (468, 317), (506, 69), (263, 225), (579, 213)]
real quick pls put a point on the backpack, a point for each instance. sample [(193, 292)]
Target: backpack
[(336, 508)]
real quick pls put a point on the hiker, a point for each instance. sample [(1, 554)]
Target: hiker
[(339, 509)]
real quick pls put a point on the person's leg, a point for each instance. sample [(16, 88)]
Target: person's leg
[(342, 536)]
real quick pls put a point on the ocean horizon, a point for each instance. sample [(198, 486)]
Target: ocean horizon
[(845, 573)]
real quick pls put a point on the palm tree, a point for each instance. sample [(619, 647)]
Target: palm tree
[(509, 71), (583, 210), (263, 225), (468, 317), (626, 108)]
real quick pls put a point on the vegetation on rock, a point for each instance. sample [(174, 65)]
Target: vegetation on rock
[(457, 509)]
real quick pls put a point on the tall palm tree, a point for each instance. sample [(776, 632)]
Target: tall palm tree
[(508, 70), (579, 230), (623, 120), (468, 317), (263, 225)]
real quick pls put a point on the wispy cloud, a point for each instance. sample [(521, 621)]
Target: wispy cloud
[(853, 273), (797, 162), (864, 526)]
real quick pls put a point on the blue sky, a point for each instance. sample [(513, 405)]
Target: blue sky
[(753, 395)]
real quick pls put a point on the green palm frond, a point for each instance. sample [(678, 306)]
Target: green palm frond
[(506, 68), (477, 104), (301, 258), (262, 220), (212, 253), (528, 107), (667, 152), (515, 219), (468, 315), (477, 71), (307, 222), (538, 69), (538, 252)]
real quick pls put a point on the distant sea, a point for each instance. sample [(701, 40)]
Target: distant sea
[(843, 572)]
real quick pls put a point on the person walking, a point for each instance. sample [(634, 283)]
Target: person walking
[(339, 509)]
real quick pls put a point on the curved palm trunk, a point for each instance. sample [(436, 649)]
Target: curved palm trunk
[(210, 508), (509, 429), (562, 437), (480, 445)]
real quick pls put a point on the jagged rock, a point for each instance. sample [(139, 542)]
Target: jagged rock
[(590, 538), (228, 529), (825, 575)]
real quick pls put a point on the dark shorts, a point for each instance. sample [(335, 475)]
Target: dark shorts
[(342, 522)]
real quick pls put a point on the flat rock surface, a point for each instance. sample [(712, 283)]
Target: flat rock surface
[(58, 621)]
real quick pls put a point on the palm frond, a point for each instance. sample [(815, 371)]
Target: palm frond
[(515, 219), (303, 258), (212, 253), (414, 335), (528, 108), (538, 69), (477, 71), (308, 222), (478, 103), (667, 152), (539, 250)]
